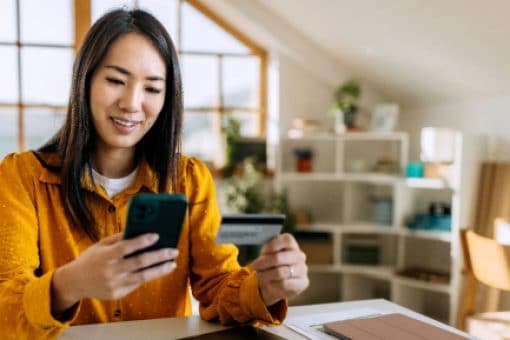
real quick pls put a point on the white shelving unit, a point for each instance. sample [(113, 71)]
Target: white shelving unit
[(339, 201)]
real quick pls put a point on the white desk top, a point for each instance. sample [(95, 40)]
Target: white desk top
[(171, 328)]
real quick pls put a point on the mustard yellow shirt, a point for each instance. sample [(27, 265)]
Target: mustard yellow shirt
[(36, 238)]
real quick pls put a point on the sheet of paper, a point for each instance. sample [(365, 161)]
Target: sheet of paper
[(310, 326)]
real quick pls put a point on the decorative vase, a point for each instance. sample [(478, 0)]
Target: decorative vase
[(339, 121)]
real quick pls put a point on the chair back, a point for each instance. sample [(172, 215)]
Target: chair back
[(488, 260)]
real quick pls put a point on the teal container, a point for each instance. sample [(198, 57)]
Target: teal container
[(414, 169)]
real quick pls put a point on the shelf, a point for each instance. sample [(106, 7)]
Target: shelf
[(372, 177), (357, 136), (374, 136), (345, 177), (320, 227), (444, 236), (351, 228), (428, 183), (368, 228), (346, 218), (432, 286), (380, 272)]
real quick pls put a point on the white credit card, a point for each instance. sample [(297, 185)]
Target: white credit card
[(249, 229)]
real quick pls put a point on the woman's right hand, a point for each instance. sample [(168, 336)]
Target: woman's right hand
[(103, 272)]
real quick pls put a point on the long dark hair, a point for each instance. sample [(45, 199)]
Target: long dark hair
[(75, 141)]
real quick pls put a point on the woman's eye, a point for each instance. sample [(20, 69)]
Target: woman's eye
[(153, 90), (114, 81)]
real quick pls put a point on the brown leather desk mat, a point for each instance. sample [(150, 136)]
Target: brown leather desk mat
[(386, 327)]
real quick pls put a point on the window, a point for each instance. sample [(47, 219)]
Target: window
[(222, 71), (36, 54)]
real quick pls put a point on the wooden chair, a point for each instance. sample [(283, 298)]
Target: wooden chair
[(488, 262)]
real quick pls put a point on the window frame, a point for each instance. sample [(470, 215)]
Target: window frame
[(82, 21), (255, 50)]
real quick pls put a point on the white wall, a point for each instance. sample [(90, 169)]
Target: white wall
[(478, 118), (301, 94), (306, 75)]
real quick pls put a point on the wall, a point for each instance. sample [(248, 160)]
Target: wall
[(302, 77), (302, 95), (478, 118)]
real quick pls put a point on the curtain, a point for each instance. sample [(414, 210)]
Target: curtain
[(493, 202), (493, 197)]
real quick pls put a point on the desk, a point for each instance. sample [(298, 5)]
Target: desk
[(169, 328)]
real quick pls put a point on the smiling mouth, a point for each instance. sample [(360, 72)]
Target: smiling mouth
[(125, 122)]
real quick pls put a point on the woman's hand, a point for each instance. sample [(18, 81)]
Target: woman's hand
[(102, 272), (281, 269)]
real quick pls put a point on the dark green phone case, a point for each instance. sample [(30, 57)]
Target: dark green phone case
[(162, 214)]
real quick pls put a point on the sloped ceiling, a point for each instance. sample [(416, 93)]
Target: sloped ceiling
[(417, 52)]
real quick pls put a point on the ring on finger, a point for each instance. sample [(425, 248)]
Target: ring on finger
[(291, 272)]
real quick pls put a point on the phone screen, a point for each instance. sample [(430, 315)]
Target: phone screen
[(162, 214)]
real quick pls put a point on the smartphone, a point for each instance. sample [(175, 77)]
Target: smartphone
[(162, 214)]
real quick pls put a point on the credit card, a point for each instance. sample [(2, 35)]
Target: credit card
[(249, 229)]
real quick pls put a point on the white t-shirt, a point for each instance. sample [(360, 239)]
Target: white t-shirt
[(113, 186)]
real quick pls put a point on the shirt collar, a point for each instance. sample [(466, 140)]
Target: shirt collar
[(146, 177)]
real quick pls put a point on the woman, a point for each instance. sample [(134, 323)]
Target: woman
[(63, 208)]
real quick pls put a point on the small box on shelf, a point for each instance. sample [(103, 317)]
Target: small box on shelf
[(362, 249), (316, 246)]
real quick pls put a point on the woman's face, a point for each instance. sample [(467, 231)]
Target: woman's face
[(127, 92)]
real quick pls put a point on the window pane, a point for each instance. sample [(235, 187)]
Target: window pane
[(198, 128), (8, 131), (40, 126), (8, 21), (8, 71), (199, 33), (165, 11), (240, 81), (46, 74), (49, 21), (100, 7), (200, 80), (249, 122)]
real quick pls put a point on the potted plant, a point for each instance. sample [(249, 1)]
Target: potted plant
[(231, 132), (346, 100)]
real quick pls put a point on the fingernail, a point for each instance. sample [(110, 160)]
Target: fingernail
[(153, 237), (171, 252)]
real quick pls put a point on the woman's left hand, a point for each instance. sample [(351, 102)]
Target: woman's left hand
[(281, 269)]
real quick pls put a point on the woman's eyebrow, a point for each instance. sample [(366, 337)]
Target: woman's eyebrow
[(127, 73)]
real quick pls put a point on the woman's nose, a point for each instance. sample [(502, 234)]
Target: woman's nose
[(131, 100)]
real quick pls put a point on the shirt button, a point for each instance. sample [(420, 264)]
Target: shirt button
[(111, 208), (116, 313)]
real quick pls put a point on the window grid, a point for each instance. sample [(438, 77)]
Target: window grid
[(82, 21), (220, 109), (20, 105)]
